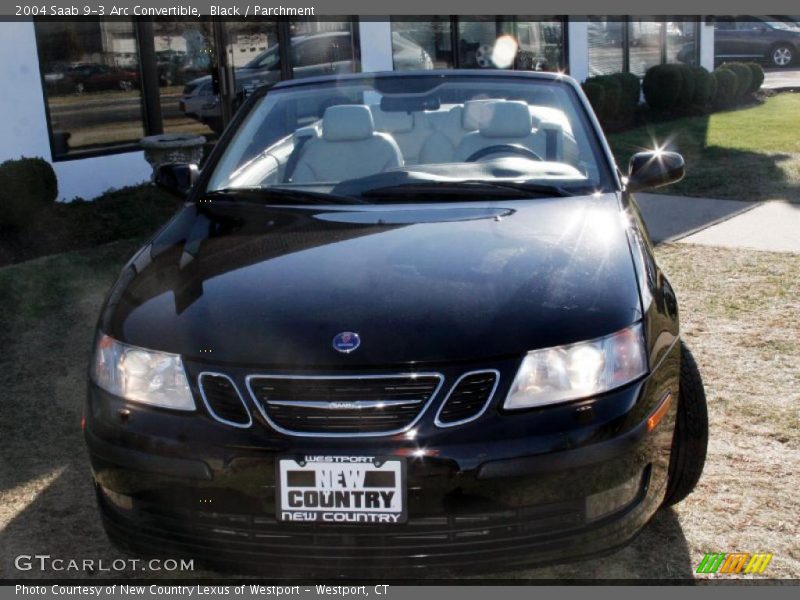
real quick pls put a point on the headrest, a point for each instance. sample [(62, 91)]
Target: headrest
[(473, 117), (392, 122), (506, 119), (347, 123)]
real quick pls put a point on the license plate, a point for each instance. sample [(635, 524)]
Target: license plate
[(341, 490)]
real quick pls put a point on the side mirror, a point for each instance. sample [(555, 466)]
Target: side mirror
[(177, 178), (654, 169)]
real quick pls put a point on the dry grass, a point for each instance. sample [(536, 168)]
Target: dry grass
[(739, 313)]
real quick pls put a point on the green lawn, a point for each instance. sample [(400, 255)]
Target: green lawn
[(747, 154)]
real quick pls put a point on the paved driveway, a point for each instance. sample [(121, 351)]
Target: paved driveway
[(782, 78)]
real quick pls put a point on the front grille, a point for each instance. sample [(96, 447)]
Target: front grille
[(468, 398), (343, 405), (223, 400)]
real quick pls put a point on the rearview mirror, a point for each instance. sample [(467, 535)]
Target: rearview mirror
[(654, 169), (177, 178)]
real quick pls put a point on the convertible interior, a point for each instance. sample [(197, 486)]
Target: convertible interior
[(352, 141)]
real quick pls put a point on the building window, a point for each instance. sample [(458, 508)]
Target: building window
[(606, 45), (635, 44), (522, 43), (645, 45), (422, 44), (541, 43), (682, 35), (184, 53), (323, 47), (92, 84), (476, 44), (104, 92), (254, 54)]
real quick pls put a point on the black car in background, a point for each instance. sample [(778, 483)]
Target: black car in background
[(402, 321), (769, 39)]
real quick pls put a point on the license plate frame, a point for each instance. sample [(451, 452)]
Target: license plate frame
[(342, 483)]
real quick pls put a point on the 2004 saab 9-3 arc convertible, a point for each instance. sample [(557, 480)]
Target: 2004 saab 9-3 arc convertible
[(401, 321)]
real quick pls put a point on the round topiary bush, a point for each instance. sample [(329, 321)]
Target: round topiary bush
[(744, 77), (688, 85), (757, 73), (26, 186), (705, 86), (613, 102), (662, 87), (631, 91), (612, 95), (727, 83), (596, 95)]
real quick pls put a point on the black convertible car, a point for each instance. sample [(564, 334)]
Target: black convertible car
[(401, 321)]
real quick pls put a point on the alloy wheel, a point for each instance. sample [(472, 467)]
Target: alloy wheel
[(782, 56)]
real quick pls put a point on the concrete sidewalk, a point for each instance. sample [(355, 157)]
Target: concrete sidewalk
[(773, 226), (776, 79)]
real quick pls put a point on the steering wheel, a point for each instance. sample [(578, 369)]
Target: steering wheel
[(507, 148)]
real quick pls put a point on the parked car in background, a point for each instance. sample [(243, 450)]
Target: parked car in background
[(199, 102), (92, 77), (767, 39), (401, 321)]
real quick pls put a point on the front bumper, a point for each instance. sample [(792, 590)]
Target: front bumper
[(537, 487)]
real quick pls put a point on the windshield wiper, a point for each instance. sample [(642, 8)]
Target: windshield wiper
[(269, 195), (454, 191)]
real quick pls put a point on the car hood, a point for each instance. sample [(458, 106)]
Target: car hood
[(265, 285)]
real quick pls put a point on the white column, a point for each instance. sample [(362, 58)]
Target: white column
[(706, 45), (23, 126), (578, 45), (376, 44)]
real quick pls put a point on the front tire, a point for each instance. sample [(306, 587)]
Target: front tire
[(782, 55), (690, 440)]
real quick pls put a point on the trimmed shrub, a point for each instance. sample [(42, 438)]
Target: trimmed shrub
[(688, 84), (612, 96), (596, 95), (631, 91), (662, 87), (758, 77), (705, 86), (744, 77), (613, 102), (26, 186), (727, 83)]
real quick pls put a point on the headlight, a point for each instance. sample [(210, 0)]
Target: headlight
[(564, 373), (139, 375)]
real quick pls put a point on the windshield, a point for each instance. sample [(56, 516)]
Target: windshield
[(360, 137)]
